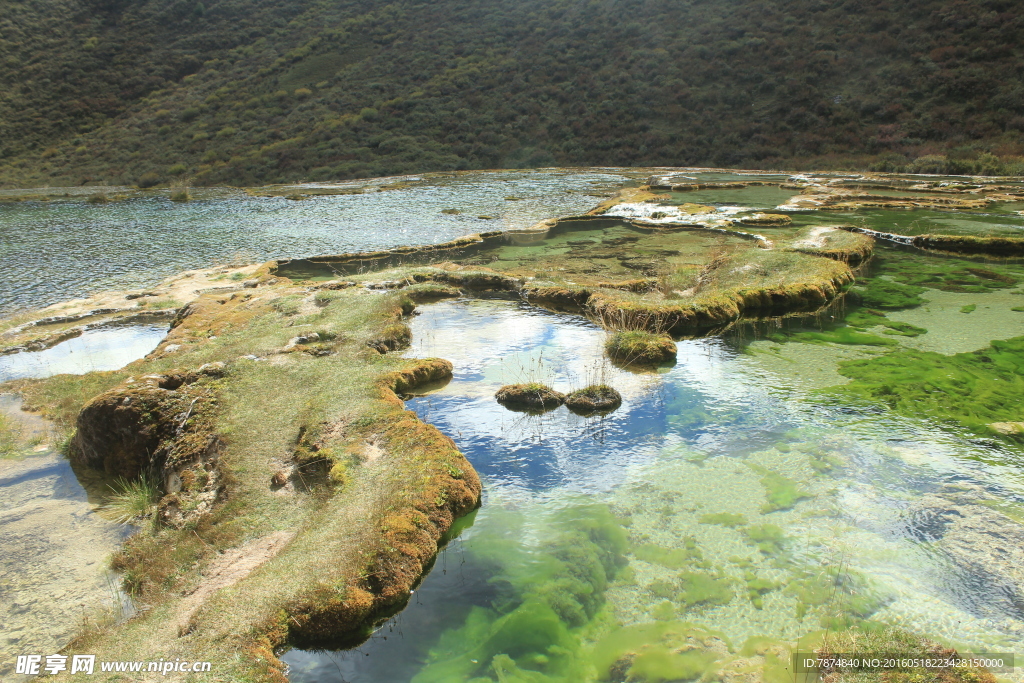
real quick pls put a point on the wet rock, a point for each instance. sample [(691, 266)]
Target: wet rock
[(215, 369), (1008, 428), (967, 526)]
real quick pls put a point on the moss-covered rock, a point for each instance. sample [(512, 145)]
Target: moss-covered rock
[(592, 400), (640, 347), (531, 396)]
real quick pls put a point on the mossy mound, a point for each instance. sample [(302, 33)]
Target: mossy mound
[(431, 291), (640, 347), (530, 397), (767, 219), (972, 244), (592, 400)]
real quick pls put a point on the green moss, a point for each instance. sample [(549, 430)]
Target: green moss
[(641, 347), (594, 399), (972, 389), (728, 519), (532, 397), (969, 308), (1018, 309)]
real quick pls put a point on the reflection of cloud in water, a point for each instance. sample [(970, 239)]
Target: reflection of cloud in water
[(104, 348), (492, 343)]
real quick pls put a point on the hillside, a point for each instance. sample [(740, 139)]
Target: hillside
[(253, 91)]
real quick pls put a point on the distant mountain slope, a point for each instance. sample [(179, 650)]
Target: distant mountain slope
[(254, 91)]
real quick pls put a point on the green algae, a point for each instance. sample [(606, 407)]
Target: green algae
[(843, 597), (878, 292), (642, 652), (823, 463), (973, 389), (532, 632), (782, 492), (831, 334), (758, 587), (703, 588), (969, 308), (727, 519), (948, 274), (768, 538), (673, 558), (863, 318), (1018, 309)]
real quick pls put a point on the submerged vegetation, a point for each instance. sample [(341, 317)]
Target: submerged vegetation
[(975, 389)]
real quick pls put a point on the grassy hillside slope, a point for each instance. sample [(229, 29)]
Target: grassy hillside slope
[(255, 91)]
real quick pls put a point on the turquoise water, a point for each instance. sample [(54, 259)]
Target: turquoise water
[(732, 507)]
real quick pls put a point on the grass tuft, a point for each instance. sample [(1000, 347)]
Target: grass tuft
[(132, 501)]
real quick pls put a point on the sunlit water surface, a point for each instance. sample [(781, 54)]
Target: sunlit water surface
[(911, 515), (53, 251), (102, 348)]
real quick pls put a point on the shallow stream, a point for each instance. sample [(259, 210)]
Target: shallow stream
[(732, 504)]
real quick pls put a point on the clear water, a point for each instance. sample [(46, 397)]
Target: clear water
[(101, 348), (53, 251), (53, 568), (994, 220), (910, 514)]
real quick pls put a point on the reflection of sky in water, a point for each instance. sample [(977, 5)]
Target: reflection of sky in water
[(687, 442), (105, 348), (492, 343)]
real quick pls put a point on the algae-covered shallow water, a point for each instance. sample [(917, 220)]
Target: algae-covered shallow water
[(727, 510)]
